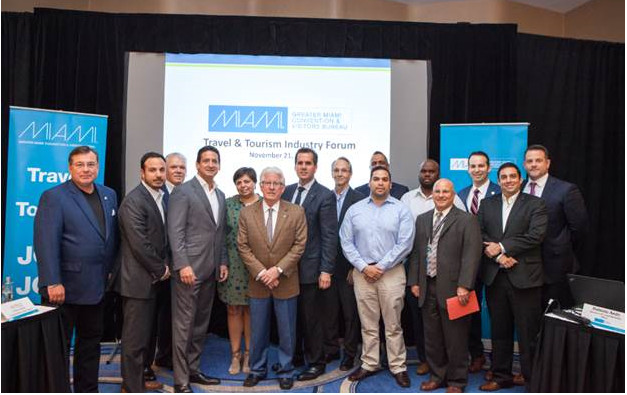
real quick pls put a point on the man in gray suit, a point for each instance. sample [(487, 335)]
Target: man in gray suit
[(144, 263), (196, 230), (444, 264)]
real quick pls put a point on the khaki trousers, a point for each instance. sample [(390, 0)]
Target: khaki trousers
[(384, 297)]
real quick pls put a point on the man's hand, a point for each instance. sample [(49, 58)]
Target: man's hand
[(56, 294), (273, 284), (324, 281), (492, 249), (269, 277), (349, 277), (372, 273), (187, 275), (166, 275), (415, 290), (507, 262), (462, 295), (224, 273)]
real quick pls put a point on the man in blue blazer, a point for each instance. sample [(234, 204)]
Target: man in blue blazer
[(472, 195), (76, 241), (317, 264), (568, 223), (379, 159)]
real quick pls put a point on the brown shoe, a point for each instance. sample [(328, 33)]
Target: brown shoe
[(153, 385), (453, 389), (360, 374), (422, 369), (518, 379), (429, 385), (490, 386), (489, 376), (402, 379), (477, 364)]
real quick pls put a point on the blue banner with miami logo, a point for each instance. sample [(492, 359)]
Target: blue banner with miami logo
[(39, 144)]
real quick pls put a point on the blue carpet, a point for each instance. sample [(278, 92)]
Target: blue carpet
[(216, 359)]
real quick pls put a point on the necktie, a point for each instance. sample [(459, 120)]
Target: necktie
[(166, 196), (532, 188), (299, 195), (474, 207), (269, 224), (432, 250)]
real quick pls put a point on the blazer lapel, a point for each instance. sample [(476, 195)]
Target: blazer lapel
[(311, 194), (153, 204), (448, 221), (512, 214), (81, 201), (200, 193), (280, 221)]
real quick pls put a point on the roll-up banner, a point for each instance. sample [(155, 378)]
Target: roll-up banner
[(39, 144)]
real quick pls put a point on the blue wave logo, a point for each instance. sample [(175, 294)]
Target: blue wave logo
[(247, 119)]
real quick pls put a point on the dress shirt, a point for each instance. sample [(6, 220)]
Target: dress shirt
[(483, 190), (158, 196), (170, 186), (377, 234), (540, 184), (304, 193), (340, 197), (508, 203), (275, 214), (212, 196), (419, 203), (444, 213)]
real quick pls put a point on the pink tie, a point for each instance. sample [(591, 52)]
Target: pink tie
[(474, 207), (532, 188)]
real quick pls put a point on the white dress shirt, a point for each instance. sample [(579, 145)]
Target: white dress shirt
[(212, 196), (540, 184), (483, 191), (419, 203), (304, 193), (158, 197), (275, 214)]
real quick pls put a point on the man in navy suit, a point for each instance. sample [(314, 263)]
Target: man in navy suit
[(568, 223), (472, 195), (76, 241), (379, 159), (317, 264)]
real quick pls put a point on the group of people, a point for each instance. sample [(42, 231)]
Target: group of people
[(310, 255)]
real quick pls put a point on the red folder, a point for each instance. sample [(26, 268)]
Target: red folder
[(456, 310)]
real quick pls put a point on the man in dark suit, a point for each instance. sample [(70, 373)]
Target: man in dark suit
[(317, 263), (341, 294), (379, 159), (76, 241), (472, 195), (196, 231), (271, 239), (513, 225), (444, 264), (144, 262), (568, 223)]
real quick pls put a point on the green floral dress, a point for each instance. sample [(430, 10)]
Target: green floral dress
[(234, 291)]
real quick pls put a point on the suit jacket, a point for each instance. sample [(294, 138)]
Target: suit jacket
[(458, 257), (342, 265), (493, 189), (70, 248), (144, 245), (522, 238), (285, 250), (397, 191), (195, 238), (322, 235), (566, 231)]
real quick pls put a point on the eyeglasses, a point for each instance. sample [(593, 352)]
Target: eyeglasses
[(272, 184), (89, 165)]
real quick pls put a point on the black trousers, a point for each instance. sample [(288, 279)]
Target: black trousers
[(475, 345), (411, 303), (510, 308), (161, 337), (310, 330), (88, 320), (339, 301)]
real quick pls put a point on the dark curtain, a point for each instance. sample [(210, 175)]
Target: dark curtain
[(573, 93)]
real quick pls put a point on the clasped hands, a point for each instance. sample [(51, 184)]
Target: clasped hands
[(493, 250), (270, 277), (372, 273)]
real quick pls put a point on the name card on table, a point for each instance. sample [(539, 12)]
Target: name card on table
[(17, 309), (606, 319)]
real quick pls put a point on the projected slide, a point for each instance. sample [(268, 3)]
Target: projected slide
[(258, 110)]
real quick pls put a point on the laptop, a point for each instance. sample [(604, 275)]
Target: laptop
[(597, 291)]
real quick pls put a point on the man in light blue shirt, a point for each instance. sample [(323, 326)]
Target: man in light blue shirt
[(376, 236)]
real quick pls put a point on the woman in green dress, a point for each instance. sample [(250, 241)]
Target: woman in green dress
[(234, 291)]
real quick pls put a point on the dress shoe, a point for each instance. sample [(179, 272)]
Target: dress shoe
[(252, 380), (286, 383), (477, 364), (453, 389), (183, 388), (312, 373), (332, 357), (347, 363), (402, 379), (361, 374), (518, 379), (429, 385), (422, 369), (149, 374), (200, 378), (491, 386), (153, 385)]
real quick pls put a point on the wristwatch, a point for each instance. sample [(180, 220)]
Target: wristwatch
[(279, 269)]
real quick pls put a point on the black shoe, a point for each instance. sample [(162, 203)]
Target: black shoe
[(183, 388), (286, 383), (149, 374), (252, 380), (332, 357), (312, 373), (298, 361), (347, 363), (200, 378)]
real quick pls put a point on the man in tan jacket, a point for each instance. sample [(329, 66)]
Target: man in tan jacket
[(272, 237)]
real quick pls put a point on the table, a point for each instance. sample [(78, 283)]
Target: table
[(575, 358), (34, 354)]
